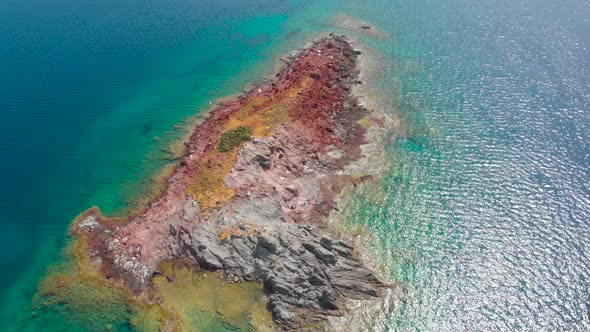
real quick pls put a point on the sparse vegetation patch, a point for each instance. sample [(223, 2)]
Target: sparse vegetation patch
[(233, 137)]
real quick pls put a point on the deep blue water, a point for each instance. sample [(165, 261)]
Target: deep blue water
[(87, 87), (483, 220)]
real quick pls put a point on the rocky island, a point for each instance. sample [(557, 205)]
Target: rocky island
[(252, 194)]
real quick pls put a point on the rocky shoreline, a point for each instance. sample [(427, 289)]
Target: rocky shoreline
[(252, 195)]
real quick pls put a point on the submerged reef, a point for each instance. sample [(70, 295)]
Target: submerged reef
[(250, 200)]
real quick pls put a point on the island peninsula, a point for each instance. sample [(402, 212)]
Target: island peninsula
[(252, 194)]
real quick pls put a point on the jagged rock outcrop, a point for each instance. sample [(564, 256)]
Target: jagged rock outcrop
[(308, 275)]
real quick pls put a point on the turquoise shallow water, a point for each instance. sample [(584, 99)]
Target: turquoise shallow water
[(485, 218), (483, 221)]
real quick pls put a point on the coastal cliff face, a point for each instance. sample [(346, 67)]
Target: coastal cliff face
[(252, 194)]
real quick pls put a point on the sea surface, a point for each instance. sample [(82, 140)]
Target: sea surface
[(483, 222)]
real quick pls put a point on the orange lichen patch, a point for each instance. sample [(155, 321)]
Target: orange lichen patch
[(263, 114), (264, 120), (226, 233), (235, 230), (253, 104), (305, 83), (209, 188)]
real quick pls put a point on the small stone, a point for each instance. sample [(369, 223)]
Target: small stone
[(328, 300), (325, 255), (326, 242), (282, 314), (270, 243)]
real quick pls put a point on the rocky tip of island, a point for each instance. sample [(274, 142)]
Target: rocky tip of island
[(253, 192)]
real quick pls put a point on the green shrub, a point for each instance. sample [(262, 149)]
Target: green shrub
[(232, 138)]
